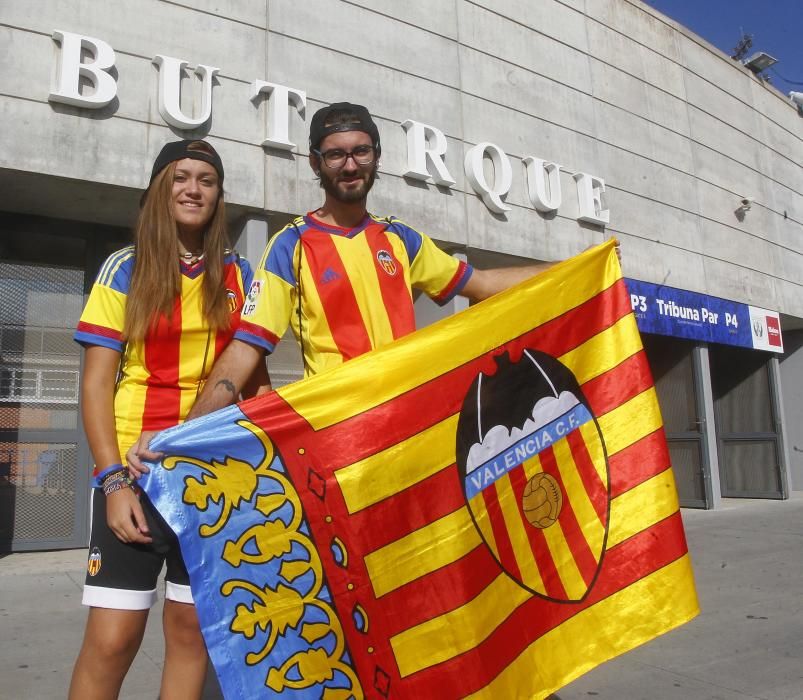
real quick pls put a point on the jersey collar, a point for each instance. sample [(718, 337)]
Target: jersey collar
[(315, 223)]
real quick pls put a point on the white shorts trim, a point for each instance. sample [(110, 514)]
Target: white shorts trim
[(118, 598), (178, 593)]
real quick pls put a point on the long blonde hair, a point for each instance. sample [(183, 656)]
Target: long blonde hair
[(156, 280)]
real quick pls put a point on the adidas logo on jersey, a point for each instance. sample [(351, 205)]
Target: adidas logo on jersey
[(329, 275)]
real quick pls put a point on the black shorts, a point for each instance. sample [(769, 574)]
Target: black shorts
[(123, 576)]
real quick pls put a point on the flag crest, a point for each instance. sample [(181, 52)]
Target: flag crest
[(532, 464)]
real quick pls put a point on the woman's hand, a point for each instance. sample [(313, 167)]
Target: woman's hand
[(139, 451), (126, 518)]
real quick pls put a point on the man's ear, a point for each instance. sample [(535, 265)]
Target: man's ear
[(315, 164)]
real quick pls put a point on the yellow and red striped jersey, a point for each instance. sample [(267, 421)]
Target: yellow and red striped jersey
[(160, 375), (344, 291)]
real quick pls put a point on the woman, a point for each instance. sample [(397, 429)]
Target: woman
[(159, 314)]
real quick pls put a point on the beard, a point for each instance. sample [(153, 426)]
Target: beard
[(356, 194)]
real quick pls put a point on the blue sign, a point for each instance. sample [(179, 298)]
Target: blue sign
[(684, 314)]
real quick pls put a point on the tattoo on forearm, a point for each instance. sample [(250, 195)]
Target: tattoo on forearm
[(226, 384)]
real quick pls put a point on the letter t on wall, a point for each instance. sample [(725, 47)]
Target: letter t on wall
[(280, 98)]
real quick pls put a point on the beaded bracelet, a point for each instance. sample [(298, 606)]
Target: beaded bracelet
[(99, 477), (115, 481), (114, 485)]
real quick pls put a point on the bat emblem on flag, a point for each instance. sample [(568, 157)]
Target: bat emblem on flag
[(534, 472)]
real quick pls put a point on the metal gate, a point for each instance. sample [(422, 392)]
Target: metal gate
[(747, 425), (43, 472), (676, 380)]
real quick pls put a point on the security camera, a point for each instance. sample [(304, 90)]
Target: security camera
[(746, 202), (797, 98)]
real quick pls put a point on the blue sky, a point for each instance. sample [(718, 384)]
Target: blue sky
[(776, 26)]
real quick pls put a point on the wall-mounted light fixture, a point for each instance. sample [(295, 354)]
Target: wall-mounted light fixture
[(759, 61), (797, 99), (745, 203)]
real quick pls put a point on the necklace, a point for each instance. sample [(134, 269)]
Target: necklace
[(190, 258)]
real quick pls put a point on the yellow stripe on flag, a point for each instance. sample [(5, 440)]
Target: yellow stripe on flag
[(518, 537), (630, 421), (453, 633), (590, 435), (489, 324), (593, 530), (369, 481), (483, 521), (421, 552), (642, 506), (647, 608), (565, 563), (604, 351)]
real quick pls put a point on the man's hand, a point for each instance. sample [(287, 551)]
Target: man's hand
[(618, 250), (126, 518), (139, 451)]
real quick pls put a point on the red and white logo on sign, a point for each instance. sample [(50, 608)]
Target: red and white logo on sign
[(773, 331)]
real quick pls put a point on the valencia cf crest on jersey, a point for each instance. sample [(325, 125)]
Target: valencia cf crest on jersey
[(231, 298), (93, 564), (387, 262), (534, 472)]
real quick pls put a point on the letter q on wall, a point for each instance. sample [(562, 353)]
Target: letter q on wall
[(503, 175)]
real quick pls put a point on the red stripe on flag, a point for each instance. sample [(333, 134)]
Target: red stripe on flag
[(504, 547), (623, 565), (596, 490), (442, 590), (423, 503), (577, 325), (162, 348), (337, 297), (393, 287), (639, 462), (619, 384), (586, 562), (538, 546)]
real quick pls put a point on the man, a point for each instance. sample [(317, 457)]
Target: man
[(341, 277)]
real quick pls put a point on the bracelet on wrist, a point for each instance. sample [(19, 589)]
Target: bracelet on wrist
[(116, 481), (113, 486), (98, 477)]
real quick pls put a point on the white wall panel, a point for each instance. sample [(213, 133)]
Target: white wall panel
[(383, 40), (523, 46)]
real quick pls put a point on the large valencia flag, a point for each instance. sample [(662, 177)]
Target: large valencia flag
[(483, 509)]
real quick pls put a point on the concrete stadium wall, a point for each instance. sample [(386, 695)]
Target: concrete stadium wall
[(678, 131)]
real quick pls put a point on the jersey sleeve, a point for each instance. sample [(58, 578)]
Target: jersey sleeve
[(438, 274), (246, 274), (271, 294), (101, 322)]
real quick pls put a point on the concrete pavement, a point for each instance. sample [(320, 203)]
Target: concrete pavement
[(747, 642)]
